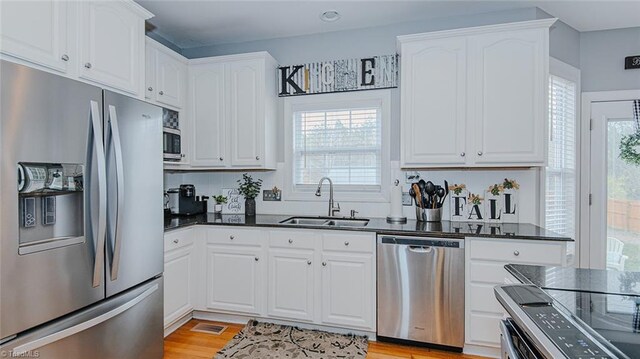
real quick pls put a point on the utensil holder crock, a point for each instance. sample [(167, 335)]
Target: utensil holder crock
[(429, 214)]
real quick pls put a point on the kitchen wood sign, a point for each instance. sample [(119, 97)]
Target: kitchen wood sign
[(371, 73)]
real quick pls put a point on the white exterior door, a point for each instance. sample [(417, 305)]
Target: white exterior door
[(614, 212), (208, 108), (36, 31), (233, 279), (170, 74), (348, 290), (111, 45), (291, 284), (507, 94), (246, 104), (178, 278), (433, 102)]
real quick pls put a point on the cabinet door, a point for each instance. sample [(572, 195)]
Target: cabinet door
[(508, 77), (291, 284), (348, 290), (150, 73), (246, 103), (433, 103), (207, 96), (178, 278), (170, 74), (234, 281), (111, 41), (35, 31)]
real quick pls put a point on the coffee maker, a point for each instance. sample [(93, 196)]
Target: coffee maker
[(183, 201)]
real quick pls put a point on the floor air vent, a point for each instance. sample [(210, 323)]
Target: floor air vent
[(209, 328)]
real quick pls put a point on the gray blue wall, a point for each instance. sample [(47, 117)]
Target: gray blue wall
[(602, 56)]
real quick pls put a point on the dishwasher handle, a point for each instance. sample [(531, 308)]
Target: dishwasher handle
[(420, 249), (422, 242)]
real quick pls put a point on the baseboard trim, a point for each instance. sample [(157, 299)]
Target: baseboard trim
[(243, 319), (173, 326), (489, 352)]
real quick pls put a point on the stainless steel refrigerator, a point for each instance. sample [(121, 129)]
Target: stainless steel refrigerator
[(81, 222)]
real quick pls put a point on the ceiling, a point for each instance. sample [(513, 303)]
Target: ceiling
[(189, 23)]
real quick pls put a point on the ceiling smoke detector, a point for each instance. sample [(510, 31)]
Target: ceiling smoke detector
[(330, 16)]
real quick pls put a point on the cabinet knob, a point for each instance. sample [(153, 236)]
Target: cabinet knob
[(65, 57), (257, 158), (462, 154), (161, 93), (87, 65), (149, 88), (232, 237), (346, 243), (516, 253), (479, 153), (257, 259), (309, 262), (290, 240), (324, 264), (221, 159), (176, 241)]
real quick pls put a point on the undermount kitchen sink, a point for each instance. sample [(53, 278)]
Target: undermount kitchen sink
[(326, 221)]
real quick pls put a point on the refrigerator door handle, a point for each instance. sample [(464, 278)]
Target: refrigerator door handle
[(117, 146), (96, 126), (40, 342)]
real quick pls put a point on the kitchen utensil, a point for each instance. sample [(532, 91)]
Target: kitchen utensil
[(419, 198), (430, 190), (446, 190), (412, 193), (441, 194)]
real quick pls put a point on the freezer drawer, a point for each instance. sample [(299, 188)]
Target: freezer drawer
[(128, 325), (421, 290)]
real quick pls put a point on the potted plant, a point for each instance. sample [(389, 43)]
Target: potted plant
[(220, 200), (249, 188)]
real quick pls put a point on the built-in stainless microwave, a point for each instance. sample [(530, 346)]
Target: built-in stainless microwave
[(171, 139), (171, 135)]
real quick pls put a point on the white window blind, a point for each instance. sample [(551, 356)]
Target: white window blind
[(343, 144), (560, 204)]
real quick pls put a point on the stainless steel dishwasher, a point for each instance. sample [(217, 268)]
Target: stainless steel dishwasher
[(421, 290)]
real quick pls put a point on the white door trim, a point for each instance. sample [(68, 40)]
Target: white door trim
[(583, 247)]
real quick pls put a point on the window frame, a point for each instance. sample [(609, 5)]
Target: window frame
[(343, 100), (563, 70)]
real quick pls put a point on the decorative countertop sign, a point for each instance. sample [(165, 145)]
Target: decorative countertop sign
[(235, 201), (372, 73)]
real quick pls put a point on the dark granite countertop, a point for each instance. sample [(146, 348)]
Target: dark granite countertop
[(445, 229), (578, 279)]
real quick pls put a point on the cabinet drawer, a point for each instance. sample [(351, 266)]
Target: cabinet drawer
[(293, 239), (487, 272), (178, 239), (345, 242), (482, 299), (235, 236), (517, 251)]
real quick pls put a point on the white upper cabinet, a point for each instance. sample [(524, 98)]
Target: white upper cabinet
[(149, 71), (165, 75), (475, 97), (111, 45), (207, 110), (36, 32), (433, 97), (233, 111), (508, 109)]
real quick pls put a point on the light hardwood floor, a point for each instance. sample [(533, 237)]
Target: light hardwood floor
[(185, 344)]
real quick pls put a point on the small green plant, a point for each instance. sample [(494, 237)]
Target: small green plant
[(220, 199), (496, 189), (457, 188), (510, 184), (249, 188), (474, 199)]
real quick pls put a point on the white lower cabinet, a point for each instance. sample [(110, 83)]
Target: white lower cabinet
[(485, 261), (178, 275), (291, 284)]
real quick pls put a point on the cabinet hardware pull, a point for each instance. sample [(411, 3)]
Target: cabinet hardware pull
[(479, 153), (65, 57), (324, 264), (257, 259), (87, 65), (176, 241), (290, 240), (257, 158), (309, 262), (462, 154), (346, 243), (150, 88), (516, 253), (232, 237), (221, 159), (161, 93)]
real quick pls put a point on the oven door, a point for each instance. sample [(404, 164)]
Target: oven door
[(513, 344), (171, 144)]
